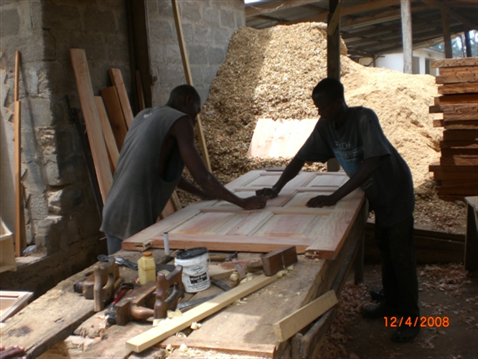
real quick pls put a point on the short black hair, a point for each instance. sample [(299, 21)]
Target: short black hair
[(183, 91), (332, 88)]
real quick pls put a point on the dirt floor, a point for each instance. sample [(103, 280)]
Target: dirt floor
[(446, 291)]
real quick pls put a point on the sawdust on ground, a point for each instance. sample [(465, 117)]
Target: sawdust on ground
[(270, 73)]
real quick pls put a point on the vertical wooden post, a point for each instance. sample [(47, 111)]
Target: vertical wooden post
[(467, 43), (189, 79), (446, 34), (20, 235), (407, 36), (333, 59)]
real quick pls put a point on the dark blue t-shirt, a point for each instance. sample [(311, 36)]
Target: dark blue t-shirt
[(390, 188)]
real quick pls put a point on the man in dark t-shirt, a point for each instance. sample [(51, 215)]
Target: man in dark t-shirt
[(354, 137)]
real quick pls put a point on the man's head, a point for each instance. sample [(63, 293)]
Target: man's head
[(186, 99), (328, 97)]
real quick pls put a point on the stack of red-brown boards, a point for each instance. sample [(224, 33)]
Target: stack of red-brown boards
[(457, 171)]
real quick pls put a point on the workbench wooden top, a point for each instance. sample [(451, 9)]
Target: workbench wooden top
[(55, 315)]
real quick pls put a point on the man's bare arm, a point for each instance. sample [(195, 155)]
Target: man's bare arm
[(292, 169), (183, 132), (364, 171), (187, 186)]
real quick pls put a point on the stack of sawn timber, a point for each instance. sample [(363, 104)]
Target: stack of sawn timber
[(457, 171)]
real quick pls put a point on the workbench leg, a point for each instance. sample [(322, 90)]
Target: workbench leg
[(471, 241)]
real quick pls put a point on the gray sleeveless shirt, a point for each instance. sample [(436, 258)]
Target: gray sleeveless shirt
[(138, 194)]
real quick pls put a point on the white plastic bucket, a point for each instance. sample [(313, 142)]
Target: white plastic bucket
[(195, 263)]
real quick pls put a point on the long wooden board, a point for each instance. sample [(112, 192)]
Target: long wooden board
[(107, 132), (257, 350), (166, 329), (467, 61), (293, 323), (469, 87), (280, 138), (117, 80), (92, 121), (284, 222), (115, 114)]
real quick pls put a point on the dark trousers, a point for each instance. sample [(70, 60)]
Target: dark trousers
[(399, 268), (114, 243)]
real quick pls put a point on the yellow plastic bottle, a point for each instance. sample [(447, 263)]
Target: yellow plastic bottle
[(146, 268)]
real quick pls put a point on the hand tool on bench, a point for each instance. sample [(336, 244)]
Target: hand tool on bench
[(86, 285), (165, 301), (104, 293), (124, 288), (142, 303), (270, 263), (127, 263), (195, 302)]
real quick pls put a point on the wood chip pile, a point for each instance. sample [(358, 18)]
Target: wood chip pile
[(270, 73)]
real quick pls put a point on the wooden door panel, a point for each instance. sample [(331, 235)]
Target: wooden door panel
[(285, 221), (328, 180), (286, 225)]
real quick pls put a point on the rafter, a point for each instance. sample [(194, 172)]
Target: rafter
[(442, 6)]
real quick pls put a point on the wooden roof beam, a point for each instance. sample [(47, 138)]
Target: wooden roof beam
[(272, 6), (442, 6), (351, 10)]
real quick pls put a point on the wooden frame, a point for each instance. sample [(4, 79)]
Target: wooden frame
[(7, 254), (12, 302)]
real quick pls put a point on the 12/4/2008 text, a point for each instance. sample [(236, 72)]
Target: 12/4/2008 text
[(423, 322)]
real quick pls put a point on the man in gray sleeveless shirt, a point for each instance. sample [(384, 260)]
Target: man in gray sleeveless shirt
[(158, 144), (354, 137)]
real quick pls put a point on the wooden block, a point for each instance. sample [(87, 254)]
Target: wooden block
[(460, 135), (456, 78), (92, 121), (463, 116), (462, 176), (456, 99), (117, 80), (450, 169), (157, 334), (247, 349), (463, 191), (469, 87), (459, 70), (115, 114), (458, 160), (279, 259), (457, 143), (293, 323), (465, 150), (457, 62), (107, 133)]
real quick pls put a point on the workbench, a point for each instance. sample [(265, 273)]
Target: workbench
[(244, 328)]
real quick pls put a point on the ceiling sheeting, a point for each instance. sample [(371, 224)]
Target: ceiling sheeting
[(371, 27)]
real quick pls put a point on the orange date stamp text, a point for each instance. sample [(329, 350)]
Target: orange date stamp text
[(422, 322)]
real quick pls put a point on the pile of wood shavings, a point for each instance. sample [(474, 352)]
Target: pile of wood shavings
[(270, 73)]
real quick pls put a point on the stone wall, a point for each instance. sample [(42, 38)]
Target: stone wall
[(207, 28), (62, 220)]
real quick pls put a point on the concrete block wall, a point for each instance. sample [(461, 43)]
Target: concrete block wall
[(61, 214), (207, 28)]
